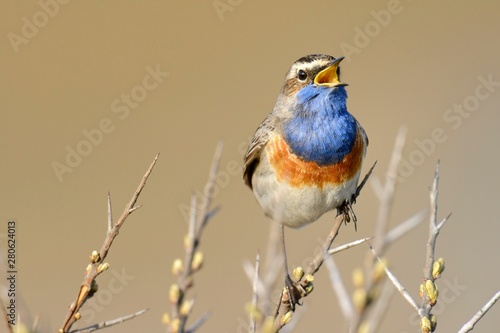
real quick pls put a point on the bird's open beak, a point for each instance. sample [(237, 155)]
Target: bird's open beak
[(328, 76)]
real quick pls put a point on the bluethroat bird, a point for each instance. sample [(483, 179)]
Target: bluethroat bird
[(305, 158)]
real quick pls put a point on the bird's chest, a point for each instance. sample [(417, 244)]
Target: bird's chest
[(297, 172), (321, 138)]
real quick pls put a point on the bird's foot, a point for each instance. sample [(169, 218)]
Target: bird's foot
[(348, 212), (293, 293)]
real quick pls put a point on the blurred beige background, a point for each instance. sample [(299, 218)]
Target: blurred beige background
[(220, 65)]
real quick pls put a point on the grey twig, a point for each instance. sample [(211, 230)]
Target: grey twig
[(469, 326), (109, 323), (198, 323), (397, 284), (404, 227), (348, 245), (385, 192), (338, 286)]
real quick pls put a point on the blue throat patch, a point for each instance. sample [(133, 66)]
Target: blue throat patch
[(321, 129)]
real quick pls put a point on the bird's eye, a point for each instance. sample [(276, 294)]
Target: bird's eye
[(302, 75)]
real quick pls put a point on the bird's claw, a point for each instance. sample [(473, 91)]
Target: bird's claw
[(292, 292), (348, 212)]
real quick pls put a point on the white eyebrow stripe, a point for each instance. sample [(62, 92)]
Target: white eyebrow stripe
[(308, 66)]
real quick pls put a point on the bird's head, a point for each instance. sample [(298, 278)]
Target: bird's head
[(318, 70)]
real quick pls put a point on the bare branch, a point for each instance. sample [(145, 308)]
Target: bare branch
[(348, 245), (95, 267), (198, 323), (320, 257), (385, 193), (109, 323), (380, 308), (338, 286), (207, 198), (433, 229), (404, 227), (398, 284), (193, 259), (469, 326), (443, 221)]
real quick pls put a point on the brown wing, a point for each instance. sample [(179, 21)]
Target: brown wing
[(252, 157)]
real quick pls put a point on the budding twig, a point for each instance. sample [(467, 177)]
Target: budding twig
[(97, 264)]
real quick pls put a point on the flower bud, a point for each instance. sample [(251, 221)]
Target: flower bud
[(285, 319), (431, 291), (197, 261), (175, 325), (94, 257), (165, 319), (359, 299), (298, 273), (102, 267), (253, 312), (186, 307), (309, 278), (174, 293), (177, 267), (433, 320), (425, 325), (358, 277), (437, 268)]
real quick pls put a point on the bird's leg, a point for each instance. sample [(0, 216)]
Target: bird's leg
[(347, 211), (289, 285), (349, 205)]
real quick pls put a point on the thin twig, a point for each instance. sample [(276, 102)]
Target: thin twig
[(198, 323), (433, 229), (386, 192), (320, 257), (397, 284), (109, 323), (338, 286), (198, 220), (379, 311), (348, 245), (209, 189), (404, 227), (473, 321), (95, 267)]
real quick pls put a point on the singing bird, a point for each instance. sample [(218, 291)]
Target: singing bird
[(305, 158)]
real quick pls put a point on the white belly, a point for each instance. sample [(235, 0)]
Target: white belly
[(297, 206)]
